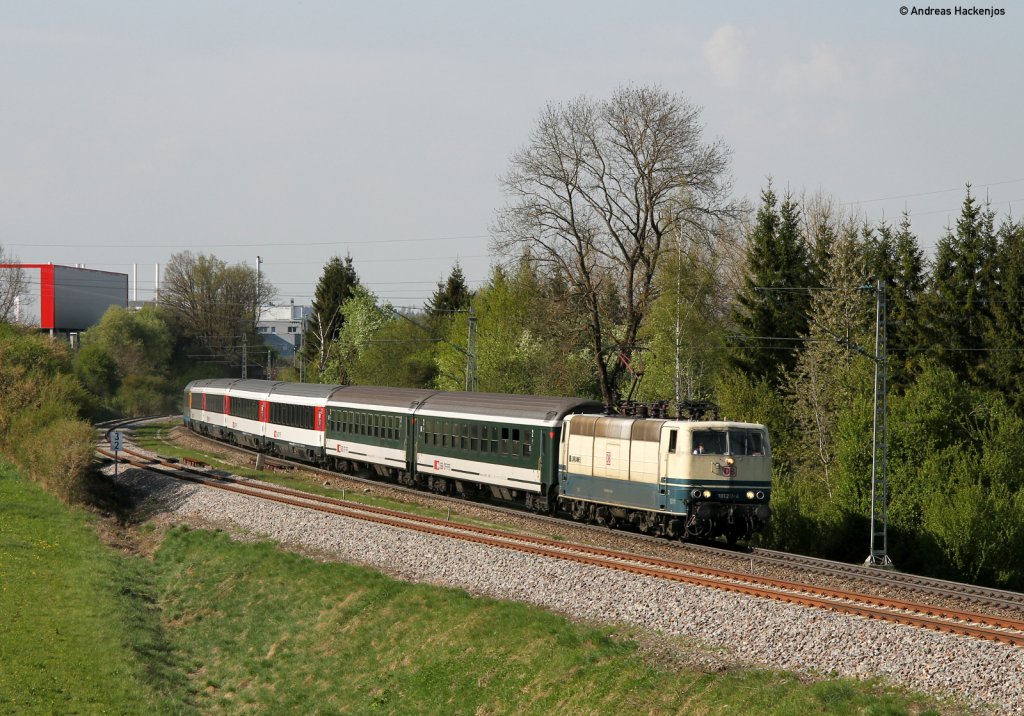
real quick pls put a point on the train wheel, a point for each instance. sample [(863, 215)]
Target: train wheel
[(579, 510)]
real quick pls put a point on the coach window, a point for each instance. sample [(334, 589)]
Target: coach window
[(494, 438), (515, 441), (527, 443)]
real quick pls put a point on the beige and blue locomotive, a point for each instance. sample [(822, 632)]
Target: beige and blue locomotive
[(676, 478), (545, 453)]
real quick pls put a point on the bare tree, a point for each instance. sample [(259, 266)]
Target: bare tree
[(13, 284), (592, 195), (215, 304)]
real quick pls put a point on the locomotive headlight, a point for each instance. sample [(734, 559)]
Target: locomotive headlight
[(707, 494), (729, 460), (750, 494), (760, 495), (696, 493)]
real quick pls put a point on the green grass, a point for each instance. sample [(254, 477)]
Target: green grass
[(214, 626), (78, 630), (258, 626)]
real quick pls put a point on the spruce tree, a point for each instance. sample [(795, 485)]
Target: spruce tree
[(959, 300), (771, 313), (906, 338), (1005, 334), (451, 295), (829, 374), (336, 285)]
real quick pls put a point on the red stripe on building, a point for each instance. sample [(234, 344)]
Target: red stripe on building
[(46, 293)]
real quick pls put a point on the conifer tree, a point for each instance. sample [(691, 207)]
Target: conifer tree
[(829, 374), (337, 284), (959, 300), (451, 295), (1005, 334), (771, 310), (906, 339), (894, 257)]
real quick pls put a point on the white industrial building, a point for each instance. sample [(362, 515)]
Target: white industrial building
[(282, 327)]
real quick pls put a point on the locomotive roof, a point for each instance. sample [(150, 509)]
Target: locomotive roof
[(521, 407)]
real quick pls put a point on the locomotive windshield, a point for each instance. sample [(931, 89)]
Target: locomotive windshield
[(709, 442), (746, 442), (735, 441)]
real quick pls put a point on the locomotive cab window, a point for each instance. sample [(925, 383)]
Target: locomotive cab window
[(708, 442), (746, 442), (673, 436)]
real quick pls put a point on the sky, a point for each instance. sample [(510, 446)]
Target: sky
[(299, 130)]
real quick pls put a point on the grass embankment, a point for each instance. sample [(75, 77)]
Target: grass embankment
[(214, 626), (78, 630)]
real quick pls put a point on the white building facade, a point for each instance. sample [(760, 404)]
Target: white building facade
[(282, 327)]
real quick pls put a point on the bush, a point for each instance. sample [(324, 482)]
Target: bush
[(40, 407)]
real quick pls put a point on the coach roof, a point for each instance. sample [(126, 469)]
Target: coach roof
[(403, 399), (303, 390), (521, 407)]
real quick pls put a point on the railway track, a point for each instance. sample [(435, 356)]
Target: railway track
[(970, 596), (954, 621)]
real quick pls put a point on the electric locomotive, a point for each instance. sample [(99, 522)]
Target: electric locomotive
[(675, 478)]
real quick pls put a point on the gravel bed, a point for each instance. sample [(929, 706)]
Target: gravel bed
[(724, 628)]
